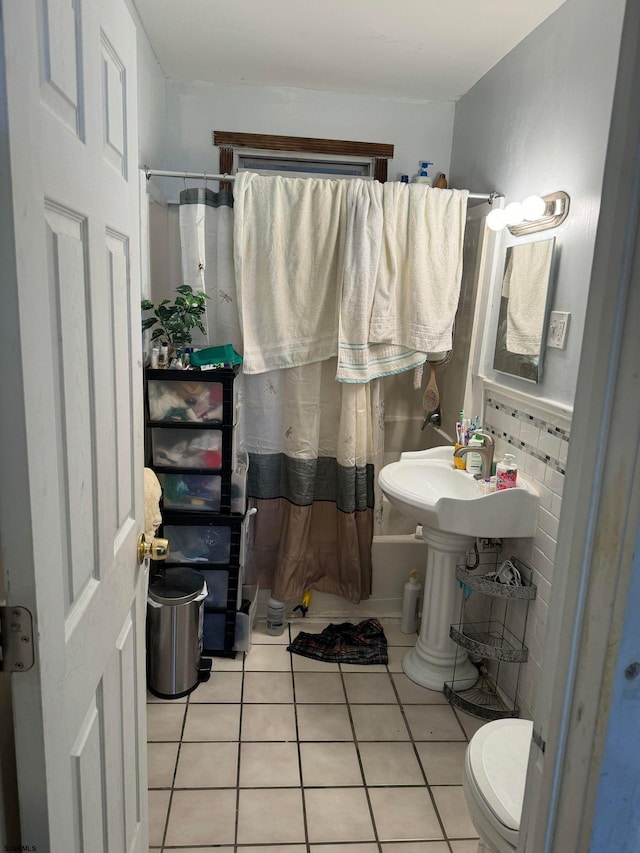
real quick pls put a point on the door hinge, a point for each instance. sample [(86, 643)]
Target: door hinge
[(539, 741), (16, 639)]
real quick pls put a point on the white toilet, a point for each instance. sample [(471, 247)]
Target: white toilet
[(495, 771)]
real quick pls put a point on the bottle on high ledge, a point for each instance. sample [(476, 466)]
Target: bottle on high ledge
[(423, 175)]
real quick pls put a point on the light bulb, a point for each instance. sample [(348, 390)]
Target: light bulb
[(514, 213), (496, 220), (534, 207)]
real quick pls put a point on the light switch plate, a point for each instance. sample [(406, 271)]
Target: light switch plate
[(558, 325)]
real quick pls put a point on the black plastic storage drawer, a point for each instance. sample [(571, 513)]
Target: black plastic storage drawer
[(205, 492), (191, 492), (198, 539), (190, 449), (192, 396), (220, 586), (218, 633)]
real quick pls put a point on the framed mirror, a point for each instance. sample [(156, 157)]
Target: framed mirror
[(524, 307)]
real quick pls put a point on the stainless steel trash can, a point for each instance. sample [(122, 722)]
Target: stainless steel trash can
[(175, 609)]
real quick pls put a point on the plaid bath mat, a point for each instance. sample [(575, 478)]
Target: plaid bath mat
[(344, 643)]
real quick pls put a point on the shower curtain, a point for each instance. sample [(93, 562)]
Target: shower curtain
[(206, 239), (314, 445)]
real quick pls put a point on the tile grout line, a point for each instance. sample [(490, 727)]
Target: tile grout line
[(175, 772), (237, 820), (307, 843), (417, 757), (360, 764)]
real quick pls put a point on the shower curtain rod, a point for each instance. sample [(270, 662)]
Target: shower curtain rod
[(204, 176)]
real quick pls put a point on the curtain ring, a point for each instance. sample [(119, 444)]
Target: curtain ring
[(204, 178), (184, 180)]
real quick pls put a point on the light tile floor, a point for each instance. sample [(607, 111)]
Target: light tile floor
[(282, 754)]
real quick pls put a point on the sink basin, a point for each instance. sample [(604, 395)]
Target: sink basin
[(427, 487)]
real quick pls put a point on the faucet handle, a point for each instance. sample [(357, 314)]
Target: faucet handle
[(488, 439)]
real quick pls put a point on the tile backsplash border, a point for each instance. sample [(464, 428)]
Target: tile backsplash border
[(538, 433), (492, 405)]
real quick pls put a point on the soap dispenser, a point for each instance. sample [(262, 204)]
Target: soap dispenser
[(423, 175), (506, 473)]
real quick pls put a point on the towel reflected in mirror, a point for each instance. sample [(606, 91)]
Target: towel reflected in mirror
[(525, 286), (523, 309)]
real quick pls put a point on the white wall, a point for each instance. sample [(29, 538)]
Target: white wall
[(151, 96), (419, 130), (538, 121)]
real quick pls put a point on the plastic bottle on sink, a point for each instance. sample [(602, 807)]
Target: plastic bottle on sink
[(506, 473), (474, 460)]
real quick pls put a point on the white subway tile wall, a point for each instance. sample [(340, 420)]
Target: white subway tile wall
[(539, 439)]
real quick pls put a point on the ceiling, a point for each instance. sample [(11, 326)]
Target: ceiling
[(423, 49)]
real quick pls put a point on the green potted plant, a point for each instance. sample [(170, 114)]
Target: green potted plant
[(178, 320)]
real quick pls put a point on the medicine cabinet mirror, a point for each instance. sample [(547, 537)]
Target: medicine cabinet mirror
[(524, 306)]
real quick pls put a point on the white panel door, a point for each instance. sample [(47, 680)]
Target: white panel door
[(71, 419)]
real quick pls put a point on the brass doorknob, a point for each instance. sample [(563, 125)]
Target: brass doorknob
[(156, 549)]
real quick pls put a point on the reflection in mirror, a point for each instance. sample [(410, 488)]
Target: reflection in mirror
[(526, 286)]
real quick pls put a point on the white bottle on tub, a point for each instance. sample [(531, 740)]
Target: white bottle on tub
[(410, 603)]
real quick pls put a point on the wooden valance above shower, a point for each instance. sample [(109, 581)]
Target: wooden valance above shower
[(227, 141)]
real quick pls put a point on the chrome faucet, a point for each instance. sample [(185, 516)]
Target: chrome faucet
[(485, 451)]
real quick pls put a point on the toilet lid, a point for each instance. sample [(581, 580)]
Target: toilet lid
[(498, 756)]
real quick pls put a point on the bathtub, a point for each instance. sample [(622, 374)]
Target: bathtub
[(394, 554)]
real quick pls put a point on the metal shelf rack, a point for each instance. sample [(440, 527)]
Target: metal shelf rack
[(490, 641)]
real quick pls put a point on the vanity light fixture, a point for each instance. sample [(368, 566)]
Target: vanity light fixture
[(536, 213)]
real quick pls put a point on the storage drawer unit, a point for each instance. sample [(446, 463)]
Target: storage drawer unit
[(191, 420)]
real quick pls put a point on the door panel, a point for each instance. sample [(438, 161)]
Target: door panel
[(86, 776), (114, 107), (71, 479), (73, 443), (121, 321), (120, 741), (61, 60)]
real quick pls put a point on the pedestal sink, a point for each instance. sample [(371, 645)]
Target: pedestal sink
[(453, 511)]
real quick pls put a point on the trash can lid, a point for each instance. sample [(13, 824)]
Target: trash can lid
[(176, 586)]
